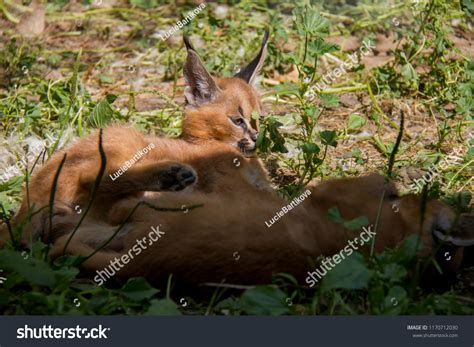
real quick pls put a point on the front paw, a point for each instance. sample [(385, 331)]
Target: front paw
[(177, 177)]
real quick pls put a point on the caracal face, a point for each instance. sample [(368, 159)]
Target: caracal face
[(222, 108)]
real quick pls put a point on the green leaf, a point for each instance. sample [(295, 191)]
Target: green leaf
[(328, 137), (319, 47), (351, 273), (393, 273), (231, 304), (68, 260), (380, 144), (307, 20), (271, 128), (138, 289), (54, 59), (64, 275), (13, 184), (264, 301), (310, 148), (33, 270), (105, 79), (355, 122), (465, 105), (466, 89), (356, 223), (335, 216), (101, 114), (111, 98), (312, 112), (163, 307), (286, 88), (467, 6), (459, 200), (263, 143), (405, 254), (408, 71), (329, 100)]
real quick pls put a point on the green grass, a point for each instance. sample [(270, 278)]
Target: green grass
[(74, 80)]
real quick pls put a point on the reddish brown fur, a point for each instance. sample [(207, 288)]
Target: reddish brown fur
[(213, 161), (199, 246), (207, 122), (212, 151)]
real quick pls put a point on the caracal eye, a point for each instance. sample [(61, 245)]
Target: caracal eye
[(239, 121)]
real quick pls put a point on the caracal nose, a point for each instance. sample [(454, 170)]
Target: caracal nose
[(254, 135)]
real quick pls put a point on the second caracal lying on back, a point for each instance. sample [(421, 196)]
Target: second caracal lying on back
[(218, 141), (200, 246)]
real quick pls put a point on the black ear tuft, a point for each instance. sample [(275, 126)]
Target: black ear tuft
[(249, 72), (188, 44), (200, 87)]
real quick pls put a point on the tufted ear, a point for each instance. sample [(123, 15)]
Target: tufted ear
[(249, 72), (200, 87)]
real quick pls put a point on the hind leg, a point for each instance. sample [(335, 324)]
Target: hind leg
[(88, 240)]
